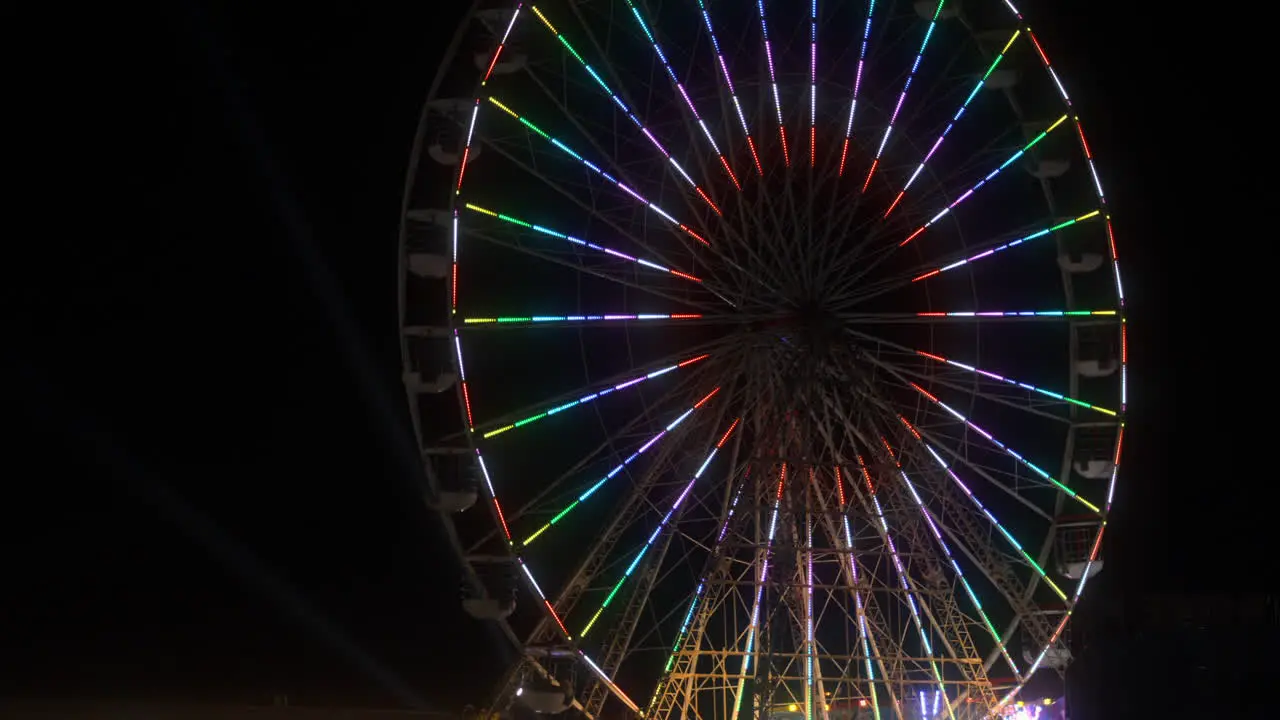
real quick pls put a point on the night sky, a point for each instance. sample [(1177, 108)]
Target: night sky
[(208, 496)]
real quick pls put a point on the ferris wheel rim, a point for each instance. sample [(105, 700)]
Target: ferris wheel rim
[(455, 327)]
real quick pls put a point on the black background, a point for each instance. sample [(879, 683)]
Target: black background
[(207, 494)]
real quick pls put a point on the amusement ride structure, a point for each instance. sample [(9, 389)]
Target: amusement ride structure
[(767, 358)]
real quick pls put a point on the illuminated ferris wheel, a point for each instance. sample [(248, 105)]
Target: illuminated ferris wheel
[(768, 358)]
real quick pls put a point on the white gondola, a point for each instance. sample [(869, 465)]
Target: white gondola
[(546, 702), (429, 265), (485, 608), (1002, 79), (1049, 169), (444, 381), (1082, 263)]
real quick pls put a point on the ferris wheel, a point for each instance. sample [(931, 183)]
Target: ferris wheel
[(767, 358)]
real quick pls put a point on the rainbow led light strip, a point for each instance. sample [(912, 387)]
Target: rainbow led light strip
[(592, 396), (863, 634), (924, 44), (1007, 450), (627, 111), (1111, 243), (577, 241), (955, 118), (811, 645), (1020, 313), (992, 518), (813, 116), (777, 101), (728, 81), (675, 507), (619, 468), (697, 596), (1017, 383), (902, 575), (679, 86), (969, 193), (1012, 243), (543, 319), (755, 606), (955, 565), (853, 107), (596, 169)]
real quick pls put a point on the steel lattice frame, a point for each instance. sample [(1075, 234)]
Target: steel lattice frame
[(761, 450)]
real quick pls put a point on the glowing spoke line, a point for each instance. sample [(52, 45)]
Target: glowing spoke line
[(679, 86), (853, 106), (969, 193), (543, 319), (619, 467), (728, 81), (577, 241), (924, 44), (755, 607), (857, 597), (952, 123), (813, 105), (697, 594), (1017, 383), (591, 397), (533, 583), (626, 111), (937, 534), (1020, 313), (811, 644), (658, 530), (1012, 243), (991, 517), (773, 82), (1007, 450), (596, 169), (902, 574)]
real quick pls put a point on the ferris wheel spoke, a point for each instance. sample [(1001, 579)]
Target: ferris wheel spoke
[(515, 245), (913, 604), (1017, 383), (674, 165), (936, 530), (773, 80), (662, 525), (591, 210), (680, 90), (857, 85), (1001, 530), (618, 468), (561, 321), (729, 88), (968, 316), (620, 434), (971, 390), (849, 571), (595, 168), (983, 378), (897, 108), (932, 269), (950, 124), (545, 410), (987, 178), (1007, 450), (906, 592), (956, 630), (1000, 247)]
